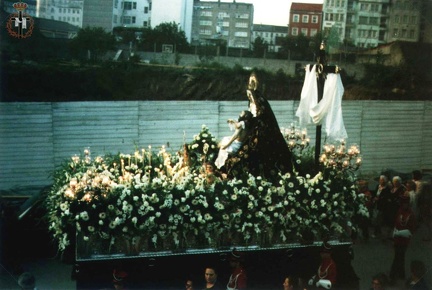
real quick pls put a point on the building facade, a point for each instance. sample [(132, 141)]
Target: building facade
[(69, 11), (97, 13), (404, 21), (270, 34), (230, 22), (305, 19), (370, 23)]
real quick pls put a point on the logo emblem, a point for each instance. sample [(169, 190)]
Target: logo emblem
[(20, 24)]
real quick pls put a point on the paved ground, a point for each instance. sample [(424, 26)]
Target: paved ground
[(370, 258)]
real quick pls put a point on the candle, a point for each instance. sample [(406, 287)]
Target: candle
[(150, 155)]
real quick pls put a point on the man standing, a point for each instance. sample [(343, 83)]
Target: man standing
[(238, 278), (404, 226)]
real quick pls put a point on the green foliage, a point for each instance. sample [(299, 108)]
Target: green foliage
[(297, 48), (378, 75), (260, 46), (164, 33), (333, 39), (92, 43)]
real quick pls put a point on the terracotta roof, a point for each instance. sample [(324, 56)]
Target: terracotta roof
[(306, 7)]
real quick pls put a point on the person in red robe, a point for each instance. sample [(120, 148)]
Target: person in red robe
[(327, 270), (404, 227), (238, 278)]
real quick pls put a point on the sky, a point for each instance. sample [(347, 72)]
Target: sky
[(273, 12)]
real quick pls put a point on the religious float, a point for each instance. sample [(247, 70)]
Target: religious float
[(164, 216)]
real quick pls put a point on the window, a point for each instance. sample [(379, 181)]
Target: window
[(126, 20), (223, 15), (205, 23), (373, 20), (129, 20), (412, 34), (413, 20), (206, 13), (313, 32), (241, 25), (364, 7), (241, 34), (205, 31), (296, 18), (243, 16), (396, 19), (330, 17), (294, 31), (115, 3), (395, 32), (405, 19), (363, 20), (304, 31), (314, 19), (129, 5), (305, 18), (146, 10)]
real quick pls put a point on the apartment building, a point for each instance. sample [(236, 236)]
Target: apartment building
[(231, 22), (110, 14), (97, 13), (270, 34), (305, 19), (404, 20), (69, 11), (370, 23)]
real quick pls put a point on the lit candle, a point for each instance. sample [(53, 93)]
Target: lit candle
[(150, 155)]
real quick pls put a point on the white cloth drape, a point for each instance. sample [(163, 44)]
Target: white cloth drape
[(309, 96), (328, 111)]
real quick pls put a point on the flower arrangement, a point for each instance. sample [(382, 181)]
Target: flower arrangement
[(152, 200)]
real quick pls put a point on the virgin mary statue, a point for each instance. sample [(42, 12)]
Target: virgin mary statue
[(266, 153)]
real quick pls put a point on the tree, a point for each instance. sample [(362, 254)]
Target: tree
[(295, 47), (91, 43), (165, 33), (333, 40), (259, 46)]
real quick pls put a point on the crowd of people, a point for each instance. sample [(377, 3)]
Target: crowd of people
[(397, 208)]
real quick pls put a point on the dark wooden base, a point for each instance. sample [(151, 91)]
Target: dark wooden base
[(266, 267)]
